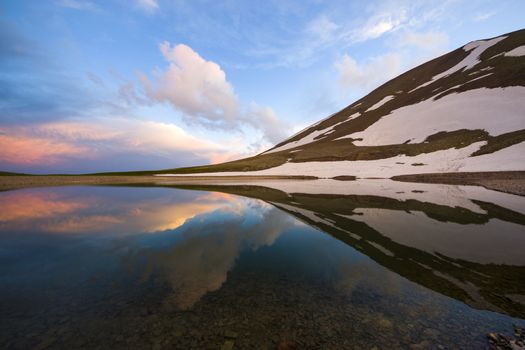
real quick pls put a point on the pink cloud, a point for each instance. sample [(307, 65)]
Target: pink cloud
[(197, 87), (20, 149), (22, 206), (62, 142)]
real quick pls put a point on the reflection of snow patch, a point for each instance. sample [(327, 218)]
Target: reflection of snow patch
[(306, 213), (381, 248), (447, 195), (496, 241)]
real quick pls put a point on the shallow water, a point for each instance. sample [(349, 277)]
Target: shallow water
[(337, 267)]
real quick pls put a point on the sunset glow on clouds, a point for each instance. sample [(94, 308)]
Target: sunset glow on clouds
[(105, 139), (53, 210), (165, 84), (22, 149)]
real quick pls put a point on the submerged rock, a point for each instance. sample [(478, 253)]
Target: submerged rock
[(500, 341)]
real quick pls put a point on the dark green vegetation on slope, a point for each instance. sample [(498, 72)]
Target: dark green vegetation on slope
[(7, 173)]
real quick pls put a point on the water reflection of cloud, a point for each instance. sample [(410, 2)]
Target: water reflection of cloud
[(209, 244), (27, 205), (199, 235), (77, 211)]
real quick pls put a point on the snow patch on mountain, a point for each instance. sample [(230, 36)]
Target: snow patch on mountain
[(449, 160), (418, 121), (507, 159), (312, 136), (518, 51), (444, 161), (353, 116), (480, 77), (305, 140), (380, 103), (476, 48)]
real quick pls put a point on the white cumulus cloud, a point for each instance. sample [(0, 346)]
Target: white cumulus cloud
[(195, 86), (199, 88)]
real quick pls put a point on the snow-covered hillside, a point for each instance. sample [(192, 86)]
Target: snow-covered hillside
[(463, 111)]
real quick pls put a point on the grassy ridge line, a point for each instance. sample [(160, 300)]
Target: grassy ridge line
[(8, 173), (246, 164)]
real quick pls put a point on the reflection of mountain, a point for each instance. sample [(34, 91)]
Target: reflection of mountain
[(464, 242)]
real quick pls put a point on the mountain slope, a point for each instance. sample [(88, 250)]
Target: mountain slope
[(463, 111)]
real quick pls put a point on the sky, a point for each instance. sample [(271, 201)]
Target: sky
[(114, 85)]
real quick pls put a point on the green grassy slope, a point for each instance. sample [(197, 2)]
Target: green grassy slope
[(7, 173)]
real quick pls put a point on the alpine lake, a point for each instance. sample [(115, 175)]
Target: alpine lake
[(321, 264)]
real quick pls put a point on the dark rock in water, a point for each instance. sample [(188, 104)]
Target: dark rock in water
[(500, 341)]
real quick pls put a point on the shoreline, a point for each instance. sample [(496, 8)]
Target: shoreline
[(14, 182), (512, 182)]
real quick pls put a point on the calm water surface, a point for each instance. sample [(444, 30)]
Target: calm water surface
[(166, 268)]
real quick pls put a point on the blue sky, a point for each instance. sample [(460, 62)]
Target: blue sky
[(91, 85)]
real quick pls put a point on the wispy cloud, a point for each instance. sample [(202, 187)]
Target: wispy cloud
[(322, 27), (483, 16), (148, 5), (378, 25), (406, 50), (430, 41), (370, 73), (332, 31), (78, 4)]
